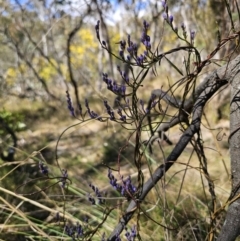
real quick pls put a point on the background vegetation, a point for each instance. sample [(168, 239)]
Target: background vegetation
[(50, 47)]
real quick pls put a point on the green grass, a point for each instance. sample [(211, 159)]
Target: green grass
[(178, 202)]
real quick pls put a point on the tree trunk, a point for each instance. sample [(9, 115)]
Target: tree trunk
[(231, 228)]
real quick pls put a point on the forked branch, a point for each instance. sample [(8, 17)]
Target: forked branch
[(205, 91)]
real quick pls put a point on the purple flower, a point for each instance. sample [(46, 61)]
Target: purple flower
[(140, 59), (134, 231), (109, 110), (43, 168), (164, 4), (135, 48), (123, 44), (69, 230), (119, 70), (118, 237), (122, 117), (105, 77), (64, 177), (145, 25), (91, 199), (109, 84), (132, 234), (98, 194), (129, 41), (170, 19), (127, 189), (113, 180), (165, 16), (74, 231), (192, 35), (91, 113), (79, 230), (115, 87), (108, 81), (145, 39), (121, 53), (130, 50), (70, 105), (147, 45), (94, 115)]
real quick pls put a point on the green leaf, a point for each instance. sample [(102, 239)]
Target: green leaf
[(174, 66)]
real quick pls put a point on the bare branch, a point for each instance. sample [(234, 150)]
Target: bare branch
[(206, 90)]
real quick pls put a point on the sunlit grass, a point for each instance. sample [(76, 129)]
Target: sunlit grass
[(178, 202)]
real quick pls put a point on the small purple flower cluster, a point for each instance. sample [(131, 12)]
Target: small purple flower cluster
[(132, 234), (192, 35), (141, 58), (98, 194), (145, 39), (112, 85), (70, 105), (127, 189), (43, 168), (122, 48), (74, 231), (132, 48), (117, 238), (91, 113), (91, 199), (109, 110), (166, 16), (63, 179), (129, 235), (169, 19), (122, 117)]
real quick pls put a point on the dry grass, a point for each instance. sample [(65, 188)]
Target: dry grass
[(180, 201)]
